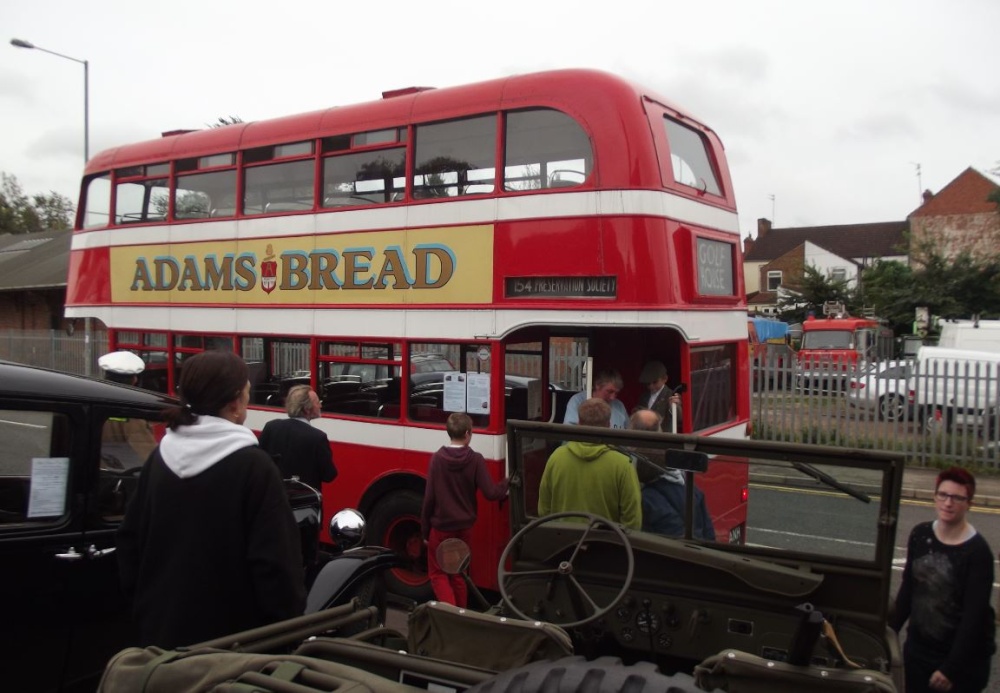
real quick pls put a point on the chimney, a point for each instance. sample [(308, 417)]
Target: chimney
[(747, 244), (763, 226), (927, 196)]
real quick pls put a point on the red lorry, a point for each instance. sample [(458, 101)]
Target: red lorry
[(833, 346)]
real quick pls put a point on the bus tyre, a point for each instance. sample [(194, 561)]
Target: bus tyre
[(395, 524), (577, 675)]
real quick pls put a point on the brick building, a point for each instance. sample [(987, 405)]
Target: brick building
[(33, 268), (960, 217), (778, 257)]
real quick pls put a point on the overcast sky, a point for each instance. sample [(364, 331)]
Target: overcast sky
[(829, 107)]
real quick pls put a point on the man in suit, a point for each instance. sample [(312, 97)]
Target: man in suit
[(658, 396), (297, 447)]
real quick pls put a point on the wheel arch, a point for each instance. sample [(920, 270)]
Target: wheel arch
[(391, 483)]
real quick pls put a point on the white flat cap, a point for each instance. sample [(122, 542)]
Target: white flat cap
[(124, 362)]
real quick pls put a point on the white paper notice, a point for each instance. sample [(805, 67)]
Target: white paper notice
[(479, 393), (49, 476), (454, 391)]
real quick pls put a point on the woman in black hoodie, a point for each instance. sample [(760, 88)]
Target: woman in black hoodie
[(209, 545), (454, 474)]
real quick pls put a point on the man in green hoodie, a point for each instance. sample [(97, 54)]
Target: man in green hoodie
[(591, 477)]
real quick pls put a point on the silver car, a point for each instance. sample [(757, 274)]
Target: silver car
[(881, 388)]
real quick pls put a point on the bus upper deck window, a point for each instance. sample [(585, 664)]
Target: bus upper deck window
[(690, 158), (545, 149)]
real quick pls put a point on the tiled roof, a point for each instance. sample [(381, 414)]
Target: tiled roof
[(883, 239), (34, 260), (966, 194)]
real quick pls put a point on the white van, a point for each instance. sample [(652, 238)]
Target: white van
[(974, 335), (956, 387)]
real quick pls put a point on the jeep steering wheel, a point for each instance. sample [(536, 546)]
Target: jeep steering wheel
[(547, 581)]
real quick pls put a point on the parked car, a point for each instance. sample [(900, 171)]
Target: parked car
[(63, 493), (881, 388), (956, 387)]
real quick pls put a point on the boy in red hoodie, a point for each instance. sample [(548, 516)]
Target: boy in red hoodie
[(454, 474)]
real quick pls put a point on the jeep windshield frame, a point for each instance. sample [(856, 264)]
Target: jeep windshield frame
[(808, 541)]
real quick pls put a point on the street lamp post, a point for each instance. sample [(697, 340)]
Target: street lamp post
[(20, 43)]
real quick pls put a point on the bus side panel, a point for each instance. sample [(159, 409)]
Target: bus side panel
[(88, 277), (725, 486), (366, 474)]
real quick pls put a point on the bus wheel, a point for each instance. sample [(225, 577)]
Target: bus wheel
[(395, 524)]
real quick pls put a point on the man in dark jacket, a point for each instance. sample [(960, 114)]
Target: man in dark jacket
[(449, 511), (664, 492), (659, 397), (299, 448)]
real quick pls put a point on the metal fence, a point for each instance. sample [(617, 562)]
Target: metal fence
[(936, 417), (53, 349), (854, 408)]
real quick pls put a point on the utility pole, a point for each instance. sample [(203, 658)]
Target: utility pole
[(920, 185)]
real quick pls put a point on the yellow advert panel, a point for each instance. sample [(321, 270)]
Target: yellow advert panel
[(415, 266)]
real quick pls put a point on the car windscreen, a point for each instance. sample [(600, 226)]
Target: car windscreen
[(804, 503)]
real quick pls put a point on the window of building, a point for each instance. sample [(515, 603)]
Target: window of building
[(838, 274), (773, 280)]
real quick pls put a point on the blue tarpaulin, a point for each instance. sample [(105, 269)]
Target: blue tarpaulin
[(768, 330)]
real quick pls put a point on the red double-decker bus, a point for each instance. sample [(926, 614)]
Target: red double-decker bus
[(473, 248)]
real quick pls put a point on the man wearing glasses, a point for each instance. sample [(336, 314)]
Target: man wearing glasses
[(945, 595)]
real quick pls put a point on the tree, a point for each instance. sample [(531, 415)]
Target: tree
[(949, 287), (223, 121), (810, 293), (890, 289), (21, 214)]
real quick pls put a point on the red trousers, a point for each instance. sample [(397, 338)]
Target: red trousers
[(447, 588)]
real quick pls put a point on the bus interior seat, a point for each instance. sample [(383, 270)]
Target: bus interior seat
[(565, 178), (516, 403), (222, 212), (388, 411)]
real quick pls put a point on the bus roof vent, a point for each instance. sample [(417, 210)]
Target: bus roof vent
[(405, 91), (174, 133)]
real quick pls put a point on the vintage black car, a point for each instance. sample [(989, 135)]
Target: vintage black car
[(71, 449)]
